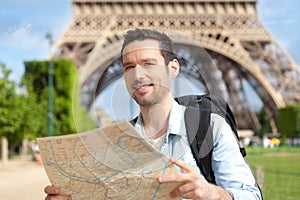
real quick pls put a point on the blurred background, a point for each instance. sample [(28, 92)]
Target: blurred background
[(61, 74)]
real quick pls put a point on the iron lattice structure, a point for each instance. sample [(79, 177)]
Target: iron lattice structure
[(229, 30)]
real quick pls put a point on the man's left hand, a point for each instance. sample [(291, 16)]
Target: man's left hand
[(192, 185)]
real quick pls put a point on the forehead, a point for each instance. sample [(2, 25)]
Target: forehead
[(147, 44)]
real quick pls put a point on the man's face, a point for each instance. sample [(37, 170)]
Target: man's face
[(147, 78)]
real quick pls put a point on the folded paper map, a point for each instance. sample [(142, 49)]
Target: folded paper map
[(112, 162)]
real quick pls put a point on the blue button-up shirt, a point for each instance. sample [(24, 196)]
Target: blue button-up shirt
[(231, 170)]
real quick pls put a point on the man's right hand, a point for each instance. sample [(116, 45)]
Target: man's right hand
[(53, 193)]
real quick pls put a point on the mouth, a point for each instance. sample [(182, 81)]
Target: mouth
[(139, 86), (142, 88)]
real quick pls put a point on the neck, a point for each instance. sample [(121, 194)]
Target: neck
[(155, 118)]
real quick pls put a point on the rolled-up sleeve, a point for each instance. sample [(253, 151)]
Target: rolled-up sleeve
[(231, 169)]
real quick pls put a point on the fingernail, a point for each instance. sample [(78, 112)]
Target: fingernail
[(160, 179), (56, 190)]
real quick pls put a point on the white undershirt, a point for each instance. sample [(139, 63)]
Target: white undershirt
[(158, 142)]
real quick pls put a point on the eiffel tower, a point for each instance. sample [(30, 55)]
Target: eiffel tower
[(230, 31)]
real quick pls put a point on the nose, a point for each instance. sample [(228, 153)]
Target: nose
[(139, 72)]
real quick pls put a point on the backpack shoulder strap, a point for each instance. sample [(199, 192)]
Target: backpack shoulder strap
[(215, 104), (133, 121), (197, 122)]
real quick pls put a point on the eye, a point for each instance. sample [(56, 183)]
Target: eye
[(149, 64), (128, 67)]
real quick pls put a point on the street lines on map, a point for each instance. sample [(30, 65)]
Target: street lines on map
[(113, 162)]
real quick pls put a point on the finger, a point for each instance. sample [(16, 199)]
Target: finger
[(183, 190), (177, 176), (187, 187), (175, 193), (59, 197), (191, 195), (171, 178), (51, 190), (183, 165)]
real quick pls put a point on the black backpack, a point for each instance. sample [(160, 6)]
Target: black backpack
[(198, 131)]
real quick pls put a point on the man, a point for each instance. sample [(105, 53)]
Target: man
[(149, 67)]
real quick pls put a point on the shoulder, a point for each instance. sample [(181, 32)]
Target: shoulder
[(220, 128), (217, 121)]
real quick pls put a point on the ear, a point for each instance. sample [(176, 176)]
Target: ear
[(174, 68)]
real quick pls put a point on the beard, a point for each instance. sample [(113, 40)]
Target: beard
[(148, 100)]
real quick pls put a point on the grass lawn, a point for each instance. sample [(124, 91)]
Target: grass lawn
[(281, 167)]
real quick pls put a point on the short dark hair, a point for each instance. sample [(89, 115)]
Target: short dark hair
[(165, 43)]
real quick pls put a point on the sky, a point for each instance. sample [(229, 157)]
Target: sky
[(25, 23)]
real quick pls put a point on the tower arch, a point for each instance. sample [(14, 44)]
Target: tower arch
[(230, 31)]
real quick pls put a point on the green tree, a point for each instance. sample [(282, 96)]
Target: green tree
[(10, 120), (32, 113), (289, 120), (82, 120), (264, 120), (36, 81)]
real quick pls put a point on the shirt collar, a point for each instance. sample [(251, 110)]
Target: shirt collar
[(176, 125)]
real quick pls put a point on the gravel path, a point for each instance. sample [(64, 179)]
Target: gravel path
[(22, 180)]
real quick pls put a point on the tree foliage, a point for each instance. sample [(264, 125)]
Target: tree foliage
[(36, 81), (24, 111), (289, 120), (264, 120), (10, 102)]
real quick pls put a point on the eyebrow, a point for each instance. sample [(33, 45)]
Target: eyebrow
[(142, 60), (149, 60), (126, 63)]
